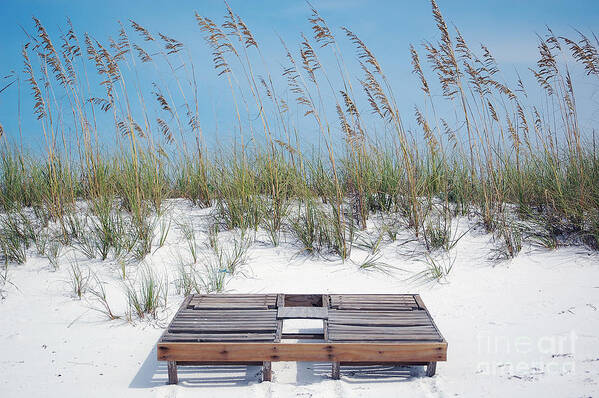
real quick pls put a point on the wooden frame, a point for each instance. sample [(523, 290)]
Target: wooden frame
[(401, 318)]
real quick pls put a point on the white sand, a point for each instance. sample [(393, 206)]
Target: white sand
[(524, 327)]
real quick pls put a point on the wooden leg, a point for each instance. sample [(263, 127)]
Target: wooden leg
[(431, 368), (267, 371), (336, 370), (172, 372)]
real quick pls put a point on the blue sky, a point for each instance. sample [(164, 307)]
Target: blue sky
[(507, 27)]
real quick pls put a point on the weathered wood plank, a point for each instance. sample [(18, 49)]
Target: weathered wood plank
[(280, 304), (303, 300), (335, 297), (389, 299), (378, 363), (231, 312), (381, 329), (226, 317), (399, 300), (233, 335), (223, 329), (233, 301), (304, 336), (364, 339), (357, 336), (234, 295), (213, 337), (382, 322), (377, 314), (172, 372), (215, 363), (267, 371), (360, 295), (373, 301), (326, 303), (226, 306), (375, 307), (334, 332), (310, 352), (335, 370), (431, 368), (224, 322)]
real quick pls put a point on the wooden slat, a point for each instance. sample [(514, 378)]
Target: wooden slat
[(372, 295), (371, 307), (366, 336), (223, 317), (382, 322), (234, 295), (280, 304), (377, 314), (371, 300), (213, 363), (377, 363), (225, 328), (380, 329), (225, 324), (230, 312), (222, 302), (226, 317), (310, 352), (326, 303), (179, 321), (374, 302), (367, 297), (303, 300), (390, 318), (261, 299), (272, 323), (369, 338), (211, 306), (207, 337), (304, 336)]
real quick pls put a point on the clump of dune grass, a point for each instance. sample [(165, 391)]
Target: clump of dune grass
[(78, 279), (232, 256), (148, 294), (3, 280), (101, 304), (165, 227), (510, 238), (189, 234), (53, 254), (16, 236), (437, 268)]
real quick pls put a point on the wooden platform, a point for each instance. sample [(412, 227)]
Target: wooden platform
[(358, 329)]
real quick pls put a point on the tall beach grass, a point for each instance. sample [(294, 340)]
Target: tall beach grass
[(508, 153)]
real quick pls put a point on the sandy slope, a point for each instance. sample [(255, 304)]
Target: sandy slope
[(525, 327)]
